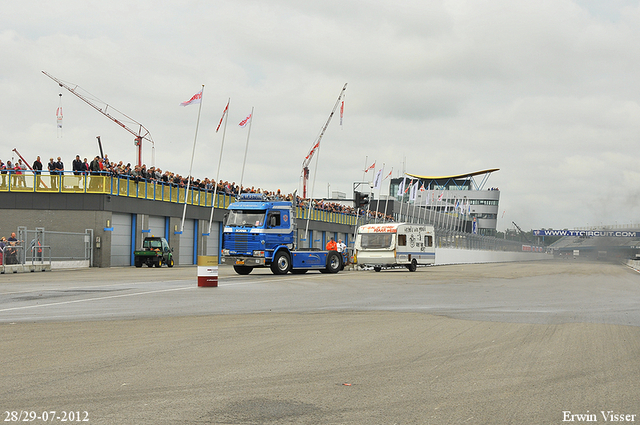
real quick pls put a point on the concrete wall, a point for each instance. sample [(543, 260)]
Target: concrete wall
[(464, 256)]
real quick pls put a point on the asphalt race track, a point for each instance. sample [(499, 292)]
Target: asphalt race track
[(510, 343)]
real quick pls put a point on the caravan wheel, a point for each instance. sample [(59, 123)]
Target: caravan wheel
[(413, 266)]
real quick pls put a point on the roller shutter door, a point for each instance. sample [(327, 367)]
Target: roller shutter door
[(121, 239), (186, 244), (156, 226), (212, 239)]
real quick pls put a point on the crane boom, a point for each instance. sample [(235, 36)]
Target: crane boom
[(526, 237), (140, 134), (316, 145)]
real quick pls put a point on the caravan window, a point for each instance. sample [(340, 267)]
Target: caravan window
[(428, 241), (402, 240), (375, 240)]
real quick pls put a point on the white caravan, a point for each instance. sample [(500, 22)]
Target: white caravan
[(395, 244)]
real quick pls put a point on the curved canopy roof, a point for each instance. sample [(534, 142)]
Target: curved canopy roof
[(458, 176)]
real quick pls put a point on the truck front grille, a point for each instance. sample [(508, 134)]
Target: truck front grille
[(242, 242)]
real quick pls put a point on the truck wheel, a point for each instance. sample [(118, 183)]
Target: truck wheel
[(377, 268), (334, 262), (158, 262), (138, 263), (413, 266), (281, 263), (244, 270), (170, 263)]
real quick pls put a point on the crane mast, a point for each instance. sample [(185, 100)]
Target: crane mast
[(139, 135), (316, 145)]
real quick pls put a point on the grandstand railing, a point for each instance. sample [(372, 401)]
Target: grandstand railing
[(68, 182)]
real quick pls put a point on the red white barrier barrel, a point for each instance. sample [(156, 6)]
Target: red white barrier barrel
[(207, 271)]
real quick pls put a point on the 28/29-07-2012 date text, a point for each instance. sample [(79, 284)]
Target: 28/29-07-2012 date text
[(46, 416)]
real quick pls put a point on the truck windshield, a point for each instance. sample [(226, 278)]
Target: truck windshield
[(375, 240), (245, 218)]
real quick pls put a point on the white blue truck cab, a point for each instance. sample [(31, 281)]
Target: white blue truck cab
[(261, 233)]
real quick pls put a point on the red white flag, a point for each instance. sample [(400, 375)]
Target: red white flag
[(341, 112), (226, 108), (373, 167), (409, 187), (388, 175), (196, 98), (245, 121)]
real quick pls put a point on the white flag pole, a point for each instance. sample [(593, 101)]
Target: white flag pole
[(379, 192), (246, 148), (414, 194), (388, 195), (355, 228), (215, 185), (193, 153), (404, 179)]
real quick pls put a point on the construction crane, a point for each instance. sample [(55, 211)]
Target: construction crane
[(526, 236), (316, 145), (108, 111)]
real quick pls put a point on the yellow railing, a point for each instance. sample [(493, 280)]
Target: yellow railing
[(118, 186)]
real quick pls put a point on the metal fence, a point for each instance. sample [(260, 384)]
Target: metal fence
[(43, 245)]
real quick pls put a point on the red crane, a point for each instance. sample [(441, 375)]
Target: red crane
[(108, 111), (316, 145)]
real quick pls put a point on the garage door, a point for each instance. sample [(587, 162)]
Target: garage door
[(156, 226), (121, 239), (186, 243), (212, 239)]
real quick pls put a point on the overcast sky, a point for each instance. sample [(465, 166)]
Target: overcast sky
[(546, 91)]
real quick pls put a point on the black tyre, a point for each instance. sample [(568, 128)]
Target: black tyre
[(334, 262), (170, 263), (413, 266), (243, 270), (281, 263), (158, 262), (377, 268), (138, 263)]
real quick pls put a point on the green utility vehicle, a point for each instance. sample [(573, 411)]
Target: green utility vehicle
[(155, 252)]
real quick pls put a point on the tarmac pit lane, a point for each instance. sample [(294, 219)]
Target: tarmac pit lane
[(228, 362)]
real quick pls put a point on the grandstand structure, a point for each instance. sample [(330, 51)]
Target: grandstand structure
[(462, 195)]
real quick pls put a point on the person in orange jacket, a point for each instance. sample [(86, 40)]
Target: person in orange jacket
[(331, 245)]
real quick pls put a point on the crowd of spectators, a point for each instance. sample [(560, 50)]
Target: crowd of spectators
[(140, 173)]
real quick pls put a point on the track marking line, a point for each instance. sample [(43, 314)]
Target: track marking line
[(96, 298)]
